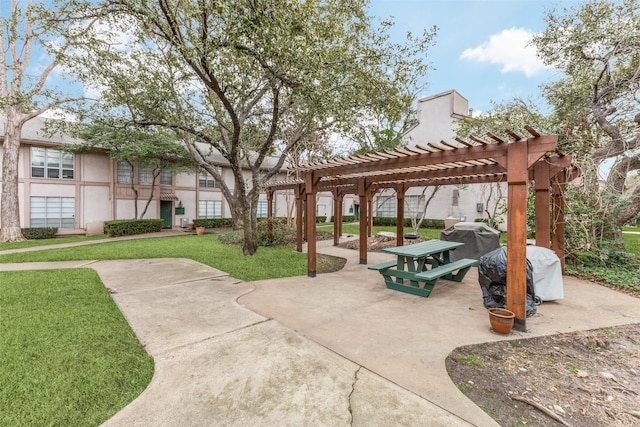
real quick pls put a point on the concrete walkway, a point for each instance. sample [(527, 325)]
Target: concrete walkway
[(338, 349)]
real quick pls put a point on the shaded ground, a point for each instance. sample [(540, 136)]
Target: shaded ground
[(588, 378)]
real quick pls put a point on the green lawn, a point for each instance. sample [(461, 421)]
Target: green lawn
[(46, 242), (265, 264), (67, 355)]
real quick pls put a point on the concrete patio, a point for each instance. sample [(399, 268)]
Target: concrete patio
[(337, 349)]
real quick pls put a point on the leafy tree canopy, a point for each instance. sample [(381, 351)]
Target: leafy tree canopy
[(597, 47), (249, 78)]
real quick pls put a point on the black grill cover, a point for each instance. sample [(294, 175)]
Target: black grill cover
[(478, 239), (492, 275)]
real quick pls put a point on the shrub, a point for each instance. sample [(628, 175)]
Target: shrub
[(127, 227), (281, 234), (348, 218), (212, 222), (391, 221), (35, 233), (321, 218)]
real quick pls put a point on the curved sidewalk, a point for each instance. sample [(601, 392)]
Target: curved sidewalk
[(337, 349)]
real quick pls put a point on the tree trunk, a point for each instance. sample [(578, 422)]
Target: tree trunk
[(156, 174), (10, 211), (238, 210), (250, 225)]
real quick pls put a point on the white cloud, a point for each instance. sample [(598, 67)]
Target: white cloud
[(509, 49)]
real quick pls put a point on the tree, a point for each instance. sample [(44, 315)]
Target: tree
[(152, 148), (597, 47), (512, 115), (251, 79), (24, 89), (421, 208)]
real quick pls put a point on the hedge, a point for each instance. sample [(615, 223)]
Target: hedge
[(321, 218), (34, 233), (348, 218), (127, 227), (426, 223), (212, 222)]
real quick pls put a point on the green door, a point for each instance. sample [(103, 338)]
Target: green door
[(166, 210)]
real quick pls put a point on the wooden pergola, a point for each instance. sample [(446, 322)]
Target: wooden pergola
[(517, 161)]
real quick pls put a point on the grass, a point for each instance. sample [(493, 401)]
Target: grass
[(68, 355), (267, 263), (631, 243), (46, 242), (625, 277)]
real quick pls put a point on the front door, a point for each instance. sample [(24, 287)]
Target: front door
[(166, 213)]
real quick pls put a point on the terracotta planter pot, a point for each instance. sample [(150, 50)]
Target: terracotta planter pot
[(501, 320), (199, 231)]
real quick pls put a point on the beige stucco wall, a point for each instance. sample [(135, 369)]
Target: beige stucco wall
[(94, 167), (95, 204), (437, 118), (184, 179)]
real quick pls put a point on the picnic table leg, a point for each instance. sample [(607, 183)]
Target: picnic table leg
[(400, 267), (413, 266)]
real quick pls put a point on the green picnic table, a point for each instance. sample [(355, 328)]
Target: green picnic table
[(417, 267)]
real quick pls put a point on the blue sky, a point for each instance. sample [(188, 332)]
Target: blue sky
[(480, 47)]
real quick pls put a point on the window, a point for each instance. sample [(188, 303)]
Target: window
[(53, 212), (51, 163), (455, 197), (165, 177), (145, 176), (210, 209), (414, 205), (386, 206), (262, 208), (125, 173), (208, 181)]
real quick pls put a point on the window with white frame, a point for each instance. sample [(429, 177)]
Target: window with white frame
[(207, 181), (125, 173), (414, 205), (145, 176), (262, 208), (209, 209), (386, 206), (53, 212), (51, 163), (166, 178)]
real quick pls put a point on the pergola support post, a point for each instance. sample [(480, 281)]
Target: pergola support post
[(310, 222), (364, 219), (558, 243), (400, 190), (517, 178), (299, 225), (370, 195), (338, 197), (269, 215), (542, 204)]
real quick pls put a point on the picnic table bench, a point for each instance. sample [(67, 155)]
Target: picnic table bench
[(418, 266)]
